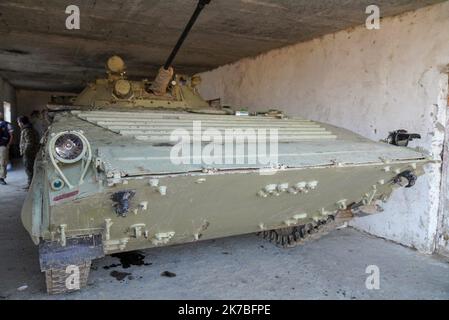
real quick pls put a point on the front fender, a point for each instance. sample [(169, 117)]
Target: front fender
[(33, 213)]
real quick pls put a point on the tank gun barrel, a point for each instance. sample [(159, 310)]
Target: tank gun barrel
[(165, 74), (185, 33)]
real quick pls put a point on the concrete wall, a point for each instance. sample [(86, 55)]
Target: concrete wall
[(29, 100), (371, 82)]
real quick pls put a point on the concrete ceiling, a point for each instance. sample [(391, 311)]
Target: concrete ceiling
[(38, 52)]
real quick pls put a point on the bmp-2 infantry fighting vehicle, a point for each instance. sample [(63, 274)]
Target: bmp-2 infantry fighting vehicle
[(106, 181)]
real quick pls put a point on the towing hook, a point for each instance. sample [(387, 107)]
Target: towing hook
[(406, 179), (402, 138), (122, 200)]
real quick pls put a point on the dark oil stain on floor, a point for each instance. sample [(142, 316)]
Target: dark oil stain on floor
[(120, 275), (114, 265), (128, 259)]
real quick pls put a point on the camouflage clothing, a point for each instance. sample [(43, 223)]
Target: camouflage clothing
[(29, 145), (6, 131)]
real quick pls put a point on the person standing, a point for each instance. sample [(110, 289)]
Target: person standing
[(29, 146), (6, 138)]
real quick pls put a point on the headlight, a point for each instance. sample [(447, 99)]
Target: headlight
[(68, 147), (57, 184)]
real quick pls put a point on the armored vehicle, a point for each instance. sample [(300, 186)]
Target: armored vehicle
[(136, 164)]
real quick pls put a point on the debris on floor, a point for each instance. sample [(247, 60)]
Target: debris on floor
[(168, 274), (345, 225)]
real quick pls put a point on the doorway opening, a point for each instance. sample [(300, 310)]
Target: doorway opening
[(7, 112)]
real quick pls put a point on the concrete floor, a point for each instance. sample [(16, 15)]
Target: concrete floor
[(244, 267)]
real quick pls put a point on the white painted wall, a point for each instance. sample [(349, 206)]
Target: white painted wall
[(371, 82)]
